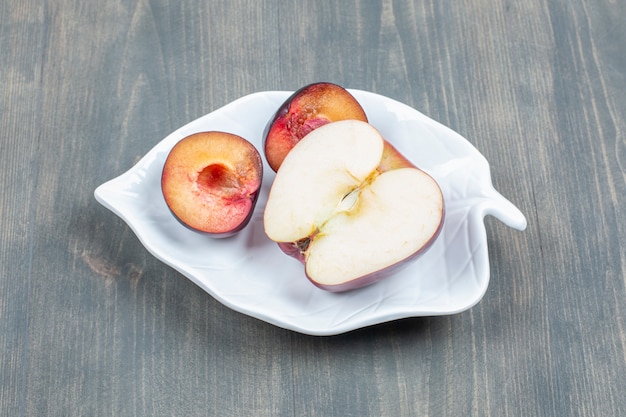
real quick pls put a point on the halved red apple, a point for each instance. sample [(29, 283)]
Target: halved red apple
[(211, 182), (350, 207), (308, 108)]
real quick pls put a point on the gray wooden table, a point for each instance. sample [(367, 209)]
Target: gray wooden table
[(91, 324)]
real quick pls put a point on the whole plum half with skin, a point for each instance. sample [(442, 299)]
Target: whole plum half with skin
[(211, 182), (306, 109), (351, 207)]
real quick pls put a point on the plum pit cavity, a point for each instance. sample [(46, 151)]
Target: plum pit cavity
[(216, 178)]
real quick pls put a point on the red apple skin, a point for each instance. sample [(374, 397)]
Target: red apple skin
[(306, 109), (391, 159), (292, 250), (211, 182)]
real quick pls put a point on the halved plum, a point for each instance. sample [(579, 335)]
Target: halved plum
[(306, 109), (211, 182)]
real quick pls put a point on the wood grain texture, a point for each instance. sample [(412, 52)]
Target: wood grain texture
[(92, 324)]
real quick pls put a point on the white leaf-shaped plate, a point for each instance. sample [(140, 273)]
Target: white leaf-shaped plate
[(250, 274)]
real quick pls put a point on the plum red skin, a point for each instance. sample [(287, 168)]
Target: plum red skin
[(283, 110), (369, 279)]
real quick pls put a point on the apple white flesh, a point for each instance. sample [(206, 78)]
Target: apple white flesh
[(349, 221)]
